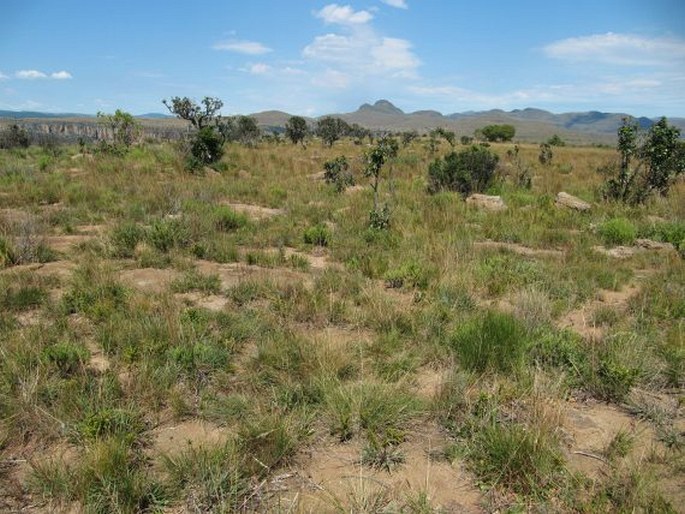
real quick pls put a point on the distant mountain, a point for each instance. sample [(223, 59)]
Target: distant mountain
[(531, 124), (155, 116), (20, 115)]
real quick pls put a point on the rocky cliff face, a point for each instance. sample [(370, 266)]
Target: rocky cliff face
[(72, 131)]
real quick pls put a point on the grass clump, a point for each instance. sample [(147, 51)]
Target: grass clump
[(318, 235), (493, 341), (618, 231)]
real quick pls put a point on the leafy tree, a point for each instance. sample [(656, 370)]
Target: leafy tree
[(330, 129), (466, 140), (122, 129), (14, 136), (357, 132), (385, 149), (246, 130), (648, 163), (296, 129), (469, 171), (494, 133), (555, 140)]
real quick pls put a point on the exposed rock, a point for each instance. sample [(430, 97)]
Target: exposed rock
[(571, 202), (618, 252), (490, 203), (648, 244)]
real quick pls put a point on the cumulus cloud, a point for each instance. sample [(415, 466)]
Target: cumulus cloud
[(30, 74), (343, 15), (619, 49), (243, 47), (357, 50), (61, 75), (400, 4)]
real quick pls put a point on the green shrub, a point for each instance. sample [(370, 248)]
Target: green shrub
[(466, 172), (411, 274), (110, 422), (67, 356), (336, 172), (495, 341), (618, 231), (165, 234), (318, 235), (7, 257)]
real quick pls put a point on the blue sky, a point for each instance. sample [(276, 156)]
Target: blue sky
[(315, 57)]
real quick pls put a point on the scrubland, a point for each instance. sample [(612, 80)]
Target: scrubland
[(240, 340)]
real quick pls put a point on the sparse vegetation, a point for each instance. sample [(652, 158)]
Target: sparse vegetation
[(176, 341)]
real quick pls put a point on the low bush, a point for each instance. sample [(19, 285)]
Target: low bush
[(466, 172)]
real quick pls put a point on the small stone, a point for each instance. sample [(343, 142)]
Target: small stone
[(490, 203)]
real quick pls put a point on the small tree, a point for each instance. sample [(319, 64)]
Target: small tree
[(447, 135), (246, 130), (494, 133), (647, 163), (555, 140), (337, 172), (385, 149), (198, 115), (206, 142), (469, 171), (408, 137), (330, 129), (296, 129), (546, 155), (122, 129)]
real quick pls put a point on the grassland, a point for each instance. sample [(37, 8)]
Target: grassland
[(240, 340)]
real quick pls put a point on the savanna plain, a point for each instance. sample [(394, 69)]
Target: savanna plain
[(241, 339)]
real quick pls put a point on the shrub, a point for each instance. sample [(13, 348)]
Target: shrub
[(7, 256), (318, 235), (618, 231), (495, 133), (466, 172), (336, 172), (68, 357), (660, 160), (124, 239), (206, 147), (166, 234)]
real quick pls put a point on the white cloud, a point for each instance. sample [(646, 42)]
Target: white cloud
[(332, 79), (394, 54), (3, 76), (61, 75), (343, 15), (243, 47), (30, 74), (259, 68), (365, 53), (36, 74), (619, 49), (400, 4)]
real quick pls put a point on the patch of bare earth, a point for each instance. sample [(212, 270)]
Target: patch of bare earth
[(177, 437), (149, 280), (581, 320), (518, 249), (256, 212), (60, 269), (331, 478), (210, 302), (232, 274)]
